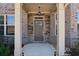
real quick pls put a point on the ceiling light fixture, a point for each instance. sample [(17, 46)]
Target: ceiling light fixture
[(39, 10)]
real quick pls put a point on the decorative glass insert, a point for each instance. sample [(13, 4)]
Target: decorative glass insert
[(1, 30), (10, 20), (1, 19), (10, 30), (38, 17)]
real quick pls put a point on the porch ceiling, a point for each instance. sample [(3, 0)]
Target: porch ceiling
[(45, 7)]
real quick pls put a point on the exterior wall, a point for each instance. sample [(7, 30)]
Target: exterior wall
[(53, 37), (30, 27), (71, 25), (47, 28), (27, 25), (5, 9), (68, 26), (27, 31), (25, 38), (74, 39)]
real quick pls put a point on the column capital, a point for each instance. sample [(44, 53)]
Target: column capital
[(66, 4), (18, 5), (60, 6)]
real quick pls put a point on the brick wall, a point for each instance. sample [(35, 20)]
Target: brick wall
[(71, 25), (7, 8)]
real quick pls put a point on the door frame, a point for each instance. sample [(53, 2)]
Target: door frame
[(43, 28)]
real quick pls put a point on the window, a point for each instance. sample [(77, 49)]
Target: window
[(1, 25), (77, 16), (38, 17), (78, 29), (1, 20), (10, 30), (7, 25), (10, 20), (1, 30), (10, 25)]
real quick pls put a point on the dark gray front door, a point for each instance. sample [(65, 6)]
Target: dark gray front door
[(38, 30)]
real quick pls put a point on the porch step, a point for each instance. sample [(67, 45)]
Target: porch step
[(38, 49)]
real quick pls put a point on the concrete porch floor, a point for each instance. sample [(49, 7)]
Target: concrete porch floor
[(38, 49)]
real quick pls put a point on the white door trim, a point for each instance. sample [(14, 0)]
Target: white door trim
[(43, 27)]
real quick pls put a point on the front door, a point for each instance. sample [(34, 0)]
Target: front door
[(38, 30)]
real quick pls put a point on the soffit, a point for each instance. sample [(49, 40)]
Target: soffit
[(45, 7)]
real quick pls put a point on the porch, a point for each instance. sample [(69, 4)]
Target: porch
[(54, 34)]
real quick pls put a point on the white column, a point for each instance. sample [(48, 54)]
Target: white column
[(18, 34), (60, 29)]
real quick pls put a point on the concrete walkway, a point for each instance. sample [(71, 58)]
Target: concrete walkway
[(38, 49)]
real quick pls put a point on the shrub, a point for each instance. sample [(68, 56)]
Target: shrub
[(4, 50), (75, 51)]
